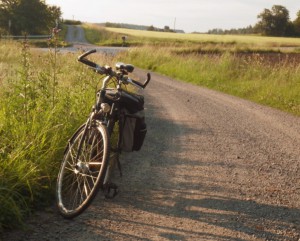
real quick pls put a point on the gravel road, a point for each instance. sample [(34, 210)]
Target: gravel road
[(213, 167), (75, 36)]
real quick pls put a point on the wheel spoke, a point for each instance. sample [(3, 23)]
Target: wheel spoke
[(95, 163)]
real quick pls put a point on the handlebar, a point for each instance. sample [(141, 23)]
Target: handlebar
[(86, 54), (108, 71), (143, 86), (82, 58)]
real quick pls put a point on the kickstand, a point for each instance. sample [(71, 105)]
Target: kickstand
[(119, 167), (107, 190)]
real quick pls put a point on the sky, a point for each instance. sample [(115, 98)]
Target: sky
[(187, 15)]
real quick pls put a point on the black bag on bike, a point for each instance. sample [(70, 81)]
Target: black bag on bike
[(134, 131), (129, 101)]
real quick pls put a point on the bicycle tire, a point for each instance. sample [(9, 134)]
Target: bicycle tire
[(82, 172)]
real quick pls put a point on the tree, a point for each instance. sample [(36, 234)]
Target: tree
[(296, 24), (30, 16), (151, 28), (167, 29), (274, 22)]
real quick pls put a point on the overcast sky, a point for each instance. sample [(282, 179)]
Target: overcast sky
[(190, 15)]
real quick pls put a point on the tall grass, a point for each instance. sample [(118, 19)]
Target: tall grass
[(261, 78), (45, 96)]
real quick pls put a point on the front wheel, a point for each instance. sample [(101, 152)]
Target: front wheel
[(82, 170)]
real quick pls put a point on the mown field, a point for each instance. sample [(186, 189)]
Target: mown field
[(45, 96), (205, 42), (258, 41)]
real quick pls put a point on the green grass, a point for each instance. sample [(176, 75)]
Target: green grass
[(253, 77), (45, 96), (96, 34)]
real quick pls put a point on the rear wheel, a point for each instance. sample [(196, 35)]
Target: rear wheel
[(83, 169)]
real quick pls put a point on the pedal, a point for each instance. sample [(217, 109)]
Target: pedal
[(110, 190)]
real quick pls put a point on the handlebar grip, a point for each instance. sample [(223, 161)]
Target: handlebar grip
[(145, 83), (82, 58), (86, 54), (88, 62), (147, 80)]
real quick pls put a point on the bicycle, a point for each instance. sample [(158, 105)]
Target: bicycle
[(91, 154)]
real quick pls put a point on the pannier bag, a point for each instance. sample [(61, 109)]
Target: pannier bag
[(134, 131)]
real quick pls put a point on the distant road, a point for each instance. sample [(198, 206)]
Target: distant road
[(76, 36)]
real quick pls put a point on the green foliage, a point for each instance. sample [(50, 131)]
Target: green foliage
[(72, 22), (45, 96), (274, 22), (246, 30), (255, 77), (27, 16), (297, 24)]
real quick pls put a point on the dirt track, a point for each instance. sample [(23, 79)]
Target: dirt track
[(75, 36), (213, 167)]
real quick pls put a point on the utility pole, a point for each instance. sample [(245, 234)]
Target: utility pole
[(175, 24), (9, 26)]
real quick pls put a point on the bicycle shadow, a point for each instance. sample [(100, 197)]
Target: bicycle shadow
[(147, 189)]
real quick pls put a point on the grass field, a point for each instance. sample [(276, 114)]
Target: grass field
[(192, 42), (259, 41)]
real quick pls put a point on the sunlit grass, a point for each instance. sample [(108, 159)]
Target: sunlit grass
[(37, 116), (98, 35), (252, 77)]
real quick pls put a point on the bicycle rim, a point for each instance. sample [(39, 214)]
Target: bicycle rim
[(83, 170)]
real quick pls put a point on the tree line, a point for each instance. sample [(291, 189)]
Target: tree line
[(272, 22), (27, 16)]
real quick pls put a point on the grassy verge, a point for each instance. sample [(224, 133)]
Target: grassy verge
[(45, 96), (252, 76), (98, 35)]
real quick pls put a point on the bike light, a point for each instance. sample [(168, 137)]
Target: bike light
[(105, 107)]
